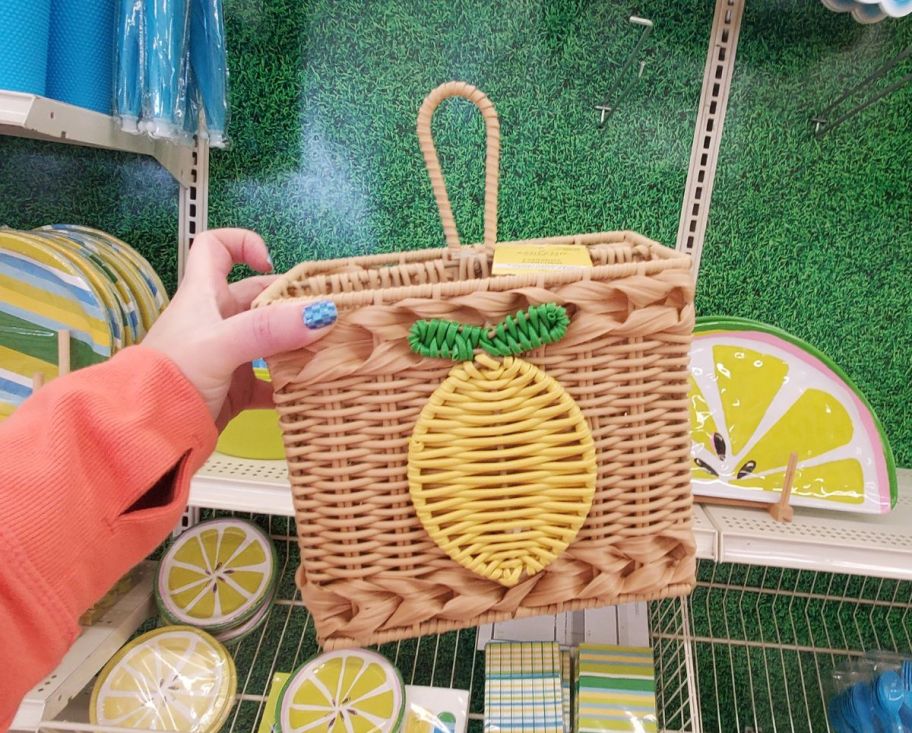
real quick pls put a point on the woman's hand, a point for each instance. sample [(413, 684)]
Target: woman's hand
[(211, 334)]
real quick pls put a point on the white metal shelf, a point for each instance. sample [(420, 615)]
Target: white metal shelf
[(286, 640), (89, 653), (817, 540), (239, 484), (836, 542), (453, 659), (705, 534), (40, 118), (765, 641)]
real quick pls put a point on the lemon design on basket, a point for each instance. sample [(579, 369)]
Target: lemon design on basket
[(501, 464), (217, 575), (176, 678), (756, 395), (347, 691)]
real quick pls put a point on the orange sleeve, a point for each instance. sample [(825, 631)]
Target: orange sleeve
[(79, 463)]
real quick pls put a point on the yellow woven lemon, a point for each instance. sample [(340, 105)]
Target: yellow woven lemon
[(501, 463)]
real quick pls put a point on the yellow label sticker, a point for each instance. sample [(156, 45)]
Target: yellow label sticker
[(519, 259), (268, 721)]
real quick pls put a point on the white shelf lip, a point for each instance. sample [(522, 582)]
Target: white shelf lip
[(877, 545), (836, 542), (29, 115), (244, 485), (705, 534), (89, 653), (214, 491)]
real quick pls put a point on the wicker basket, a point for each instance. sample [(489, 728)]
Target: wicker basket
[(370, 570)]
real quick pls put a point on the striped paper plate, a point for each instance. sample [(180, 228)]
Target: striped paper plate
[(42, 292)]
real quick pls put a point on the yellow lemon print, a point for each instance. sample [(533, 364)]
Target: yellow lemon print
[(217, 575), (348, 691), (501, 463), (174, 678)]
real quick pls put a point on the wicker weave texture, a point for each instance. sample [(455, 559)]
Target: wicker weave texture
[(349, 404)]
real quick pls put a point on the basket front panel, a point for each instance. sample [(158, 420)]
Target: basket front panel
[(633, 392), (347, 450), (370, 571)]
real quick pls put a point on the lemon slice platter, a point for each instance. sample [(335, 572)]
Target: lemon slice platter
[(756, 395), (218, 576), (175, 678), (346, 691)]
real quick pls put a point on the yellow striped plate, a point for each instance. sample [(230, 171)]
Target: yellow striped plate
[(42, 292)]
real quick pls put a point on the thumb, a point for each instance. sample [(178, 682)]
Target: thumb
[(262, 332)]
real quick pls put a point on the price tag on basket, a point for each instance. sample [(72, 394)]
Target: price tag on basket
[(520, 259)]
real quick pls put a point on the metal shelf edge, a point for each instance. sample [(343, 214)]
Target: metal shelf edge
[(835, 542), (239, 484), (40, 118), (815, 540), (705, 534), (89, 653)]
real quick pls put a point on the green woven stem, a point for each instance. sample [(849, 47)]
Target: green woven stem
[(525, 331)]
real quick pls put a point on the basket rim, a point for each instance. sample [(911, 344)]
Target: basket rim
[(662, 258)]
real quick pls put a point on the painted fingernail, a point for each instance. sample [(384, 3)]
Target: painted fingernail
[(321, 314)]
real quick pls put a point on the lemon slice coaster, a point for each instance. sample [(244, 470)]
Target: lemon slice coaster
[(239, 632), (756, 395), (217, 575), (346, 691), (176, 678)]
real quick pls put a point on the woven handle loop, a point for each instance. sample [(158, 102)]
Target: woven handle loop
[(492, 158)]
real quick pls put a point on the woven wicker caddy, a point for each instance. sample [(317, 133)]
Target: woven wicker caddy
[(370, 570)]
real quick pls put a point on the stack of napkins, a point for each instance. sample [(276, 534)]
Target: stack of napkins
[(566, 685), (523, 688), (615, 689)]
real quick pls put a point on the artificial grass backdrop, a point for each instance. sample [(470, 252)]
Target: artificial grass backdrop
[(813, 236)]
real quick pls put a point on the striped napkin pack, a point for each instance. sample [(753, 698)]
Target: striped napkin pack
[(615, 689), (523, 690), (566, 657)]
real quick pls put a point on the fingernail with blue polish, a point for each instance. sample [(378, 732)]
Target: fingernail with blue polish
[(321, 314)]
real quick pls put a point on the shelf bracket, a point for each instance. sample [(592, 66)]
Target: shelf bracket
[(620, 87), (194, 203), (821, 121), (704, 154)]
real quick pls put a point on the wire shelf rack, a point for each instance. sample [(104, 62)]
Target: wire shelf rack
[(287, 640), (752, 650), (765, 641)]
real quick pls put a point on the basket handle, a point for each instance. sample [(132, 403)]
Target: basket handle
[(492, 158)]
